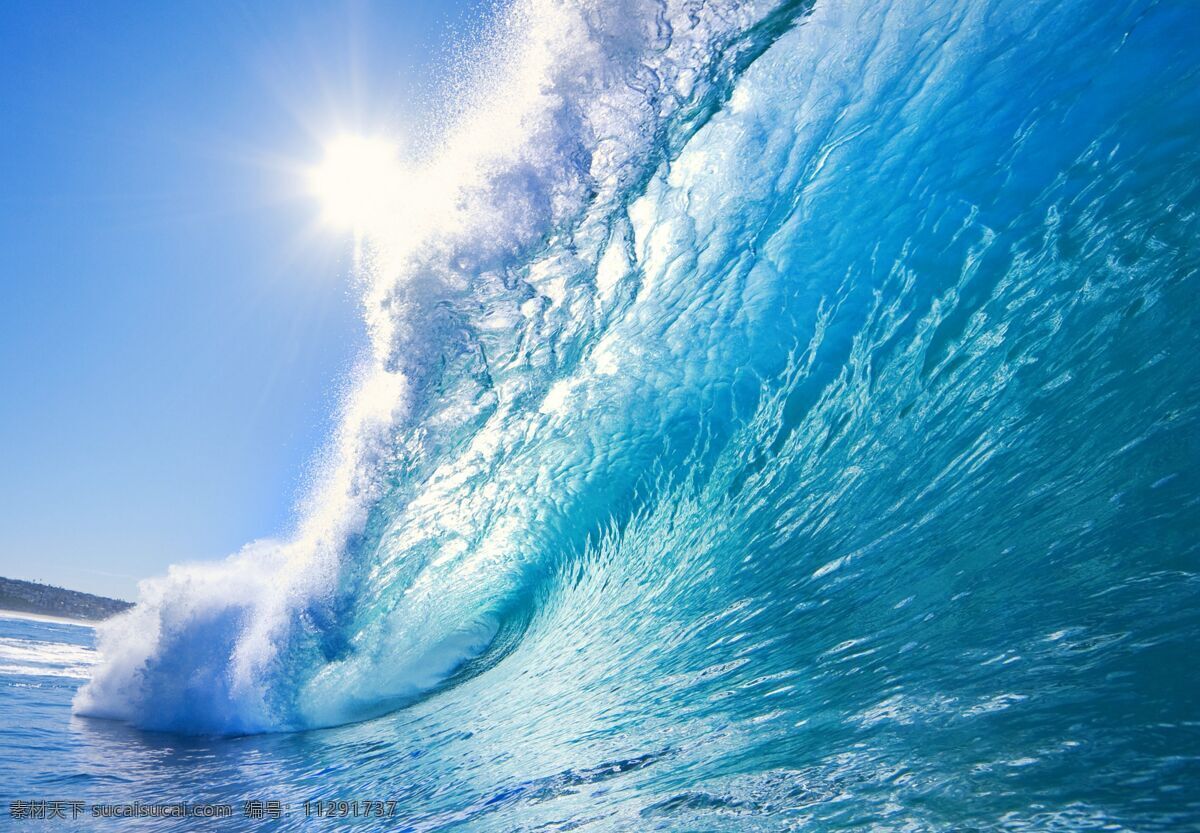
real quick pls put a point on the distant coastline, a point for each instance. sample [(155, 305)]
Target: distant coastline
[(30, 597)]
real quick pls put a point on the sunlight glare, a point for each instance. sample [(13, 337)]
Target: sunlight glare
[(357, 181)]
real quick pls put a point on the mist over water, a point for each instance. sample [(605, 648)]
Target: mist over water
[(779, 414)]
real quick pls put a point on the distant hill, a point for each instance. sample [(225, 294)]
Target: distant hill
[(34, 597)]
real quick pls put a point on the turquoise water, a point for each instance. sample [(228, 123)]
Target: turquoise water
[(780, 416)]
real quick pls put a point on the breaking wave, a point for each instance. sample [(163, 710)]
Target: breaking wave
[(833, 366)]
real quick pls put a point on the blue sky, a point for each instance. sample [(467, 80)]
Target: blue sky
[(175, 325)]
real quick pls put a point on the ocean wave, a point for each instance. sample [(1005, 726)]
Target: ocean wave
[(833, 360)]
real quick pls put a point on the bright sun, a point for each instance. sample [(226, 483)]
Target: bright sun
[(357, 181)]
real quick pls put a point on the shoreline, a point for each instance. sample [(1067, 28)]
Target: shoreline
[(47, 617)]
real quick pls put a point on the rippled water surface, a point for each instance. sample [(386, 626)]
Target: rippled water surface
[(785, 419)]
